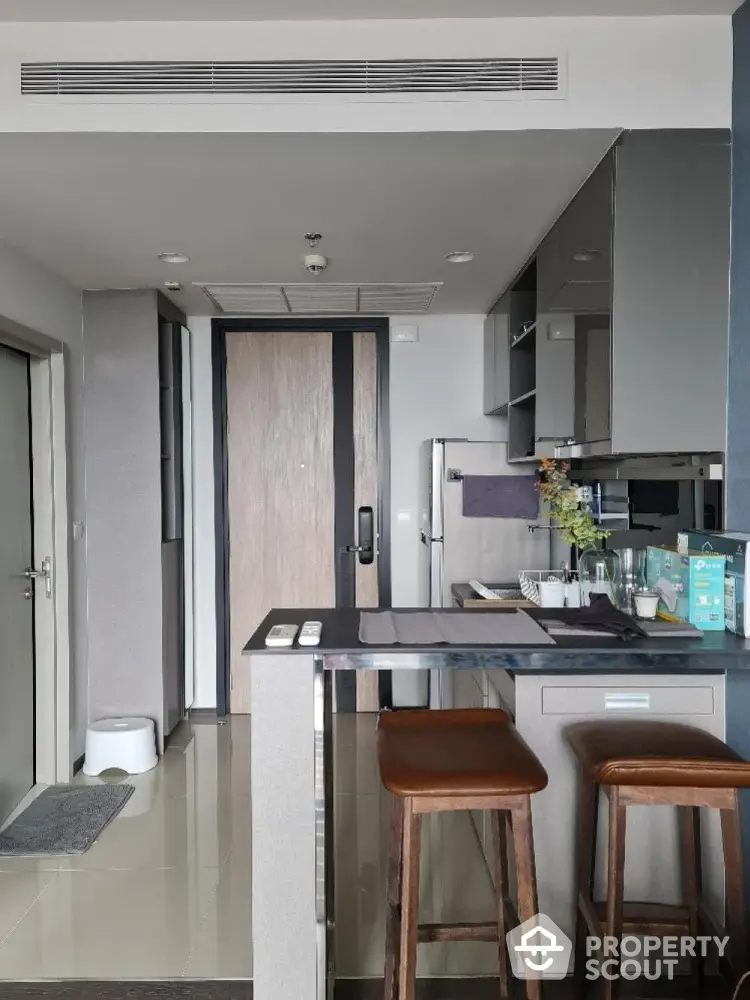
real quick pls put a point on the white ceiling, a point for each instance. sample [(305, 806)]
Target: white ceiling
[(280, 10), (99, 208)]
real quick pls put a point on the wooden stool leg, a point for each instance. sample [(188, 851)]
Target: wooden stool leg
[(588, 814), (689, 818), (733, 887), (407, 964), (615, 877), (393, 900), (523, 849), (501, 891)]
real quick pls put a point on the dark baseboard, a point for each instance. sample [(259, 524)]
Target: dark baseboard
[(205, 717), (438, 988), (486, 988)]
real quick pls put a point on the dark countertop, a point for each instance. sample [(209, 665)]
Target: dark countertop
[(715, 652)]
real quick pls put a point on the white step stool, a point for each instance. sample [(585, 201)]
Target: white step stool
[(127, 744)]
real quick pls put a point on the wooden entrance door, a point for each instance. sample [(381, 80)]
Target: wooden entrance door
[(302, 457)]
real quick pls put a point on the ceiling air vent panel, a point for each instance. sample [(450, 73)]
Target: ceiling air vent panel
[(365, 77), (320, 298), (324, 299), (266, 300)]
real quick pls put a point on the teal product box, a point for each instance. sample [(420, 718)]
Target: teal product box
[(735, 546), (691, 585)]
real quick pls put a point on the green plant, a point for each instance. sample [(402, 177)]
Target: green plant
[(574, 522)]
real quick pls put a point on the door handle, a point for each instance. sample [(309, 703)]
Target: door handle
[(365, 547), (45, 573)]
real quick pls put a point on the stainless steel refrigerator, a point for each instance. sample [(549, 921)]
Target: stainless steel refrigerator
[(455, 548)]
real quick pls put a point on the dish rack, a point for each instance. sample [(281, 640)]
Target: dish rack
[(529, 580)]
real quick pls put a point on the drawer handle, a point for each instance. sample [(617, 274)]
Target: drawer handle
[(620, 702)]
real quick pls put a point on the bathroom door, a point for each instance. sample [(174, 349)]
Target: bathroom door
[(16, 591)]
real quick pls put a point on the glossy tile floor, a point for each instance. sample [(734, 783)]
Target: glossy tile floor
[(165, 891)]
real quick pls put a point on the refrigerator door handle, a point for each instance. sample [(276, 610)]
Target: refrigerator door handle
[(428, 539)]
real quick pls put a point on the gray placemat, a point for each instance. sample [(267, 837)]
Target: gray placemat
[(64, 819), (431, 628)]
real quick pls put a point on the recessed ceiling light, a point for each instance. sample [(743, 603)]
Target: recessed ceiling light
[(174, 258), (586, 256), (459, 257)]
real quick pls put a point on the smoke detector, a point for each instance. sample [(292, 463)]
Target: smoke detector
[(315, 263)]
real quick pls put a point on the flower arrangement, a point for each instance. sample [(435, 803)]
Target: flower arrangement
[(574, 521)]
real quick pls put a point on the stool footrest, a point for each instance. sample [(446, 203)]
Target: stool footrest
[(458, 932), (637, 917)]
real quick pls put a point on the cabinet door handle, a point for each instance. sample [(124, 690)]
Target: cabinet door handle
[(620, 701)]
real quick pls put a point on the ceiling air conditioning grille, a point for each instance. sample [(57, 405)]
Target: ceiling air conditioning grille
[(364, 77), (321, 298)]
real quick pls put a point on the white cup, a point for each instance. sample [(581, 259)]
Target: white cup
[(573, 595), (551, 594), (646, 604)]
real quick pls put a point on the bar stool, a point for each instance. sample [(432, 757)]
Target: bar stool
[(657, 763), (445, 761)]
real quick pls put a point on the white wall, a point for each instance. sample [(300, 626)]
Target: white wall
[(204, 552), (436, 391), (623, 72), (46, 304)]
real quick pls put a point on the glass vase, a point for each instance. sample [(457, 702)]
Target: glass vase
[(600, 572)]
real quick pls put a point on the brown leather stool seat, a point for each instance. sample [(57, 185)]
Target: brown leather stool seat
[(473, 751), (661, 754), (444, 761), (657, 763)]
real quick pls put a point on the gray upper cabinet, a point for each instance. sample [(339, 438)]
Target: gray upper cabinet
[(496, 366), (670, 302), (631, 301), (574, 277), (574, 263)]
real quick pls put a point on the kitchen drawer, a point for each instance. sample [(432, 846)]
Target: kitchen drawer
[(561, 699)]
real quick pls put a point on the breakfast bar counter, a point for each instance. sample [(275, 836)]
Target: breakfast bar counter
[(702, 681)]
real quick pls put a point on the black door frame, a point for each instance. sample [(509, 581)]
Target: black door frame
[(220, 329)]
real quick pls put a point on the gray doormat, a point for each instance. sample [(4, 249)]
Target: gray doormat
[(65, 819)]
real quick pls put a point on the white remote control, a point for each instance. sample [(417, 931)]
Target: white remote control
[(282, 635), (310, 634)]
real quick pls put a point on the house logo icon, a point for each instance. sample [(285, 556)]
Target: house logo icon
[(538, 949)]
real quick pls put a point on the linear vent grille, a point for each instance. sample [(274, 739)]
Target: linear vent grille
[(321, 299), (364, 77)]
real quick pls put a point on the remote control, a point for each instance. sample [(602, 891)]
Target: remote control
[(482, 591), (310, 634), (282, 635)]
